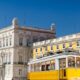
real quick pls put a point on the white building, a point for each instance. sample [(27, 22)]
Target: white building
[(15, 49)]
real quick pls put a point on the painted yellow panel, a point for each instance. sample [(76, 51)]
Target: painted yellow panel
[(33, 50), (48, 48), (75, 73), (34, 55), (74, 45), (43, 75), (38, 51), (60, 47), (43, 50), (67, 45), (54, 48), (71, 74)]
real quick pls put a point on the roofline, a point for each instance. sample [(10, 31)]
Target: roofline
[(63, 37), (35, 30), (57, 56)]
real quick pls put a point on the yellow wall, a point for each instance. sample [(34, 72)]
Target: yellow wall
[(60, 47), (34, 53), (74, 46), (54, 48), (38, 51), (71, 74), (43, 75), (67, 45), (48, 48)]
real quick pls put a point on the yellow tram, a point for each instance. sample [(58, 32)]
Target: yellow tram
[(64, 66)]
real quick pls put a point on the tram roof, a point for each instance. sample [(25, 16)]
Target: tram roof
[(56, 56)]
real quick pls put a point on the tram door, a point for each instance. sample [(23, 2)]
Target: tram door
[(62, 70)]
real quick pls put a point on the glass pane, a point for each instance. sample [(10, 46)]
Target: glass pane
[(78, 61), (71, 61), (62, 63)]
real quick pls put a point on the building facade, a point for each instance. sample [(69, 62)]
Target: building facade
[(16, 47)]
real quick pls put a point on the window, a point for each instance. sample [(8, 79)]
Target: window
[(28, 42), (52, 66), (48, 67), (78, 61), (6, 41), (41, 38), (20, 41), (20, 58), (35, 39), (20, 71), (43, 67), (51, 47), (71, 62), (3, 42), (62, 63), (10, 41)]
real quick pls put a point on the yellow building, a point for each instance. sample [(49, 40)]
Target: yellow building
[(56, 59), (57, 45)]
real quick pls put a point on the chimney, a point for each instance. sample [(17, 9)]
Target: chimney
[(52, 27)]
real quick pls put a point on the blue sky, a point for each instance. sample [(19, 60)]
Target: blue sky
[(41, 13)]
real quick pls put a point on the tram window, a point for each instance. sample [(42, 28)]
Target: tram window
[(77, 61), (52, 66), (43, 68), (71, 63), (48, 67)]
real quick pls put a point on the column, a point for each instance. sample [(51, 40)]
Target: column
[(75, 62), (66, 62), (29, 67), (56, 64)]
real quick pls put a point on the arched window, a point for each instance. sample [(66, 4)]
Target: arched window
[(20, 71), (20, 59), (20, 41), (6, 41), (10, 39)]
